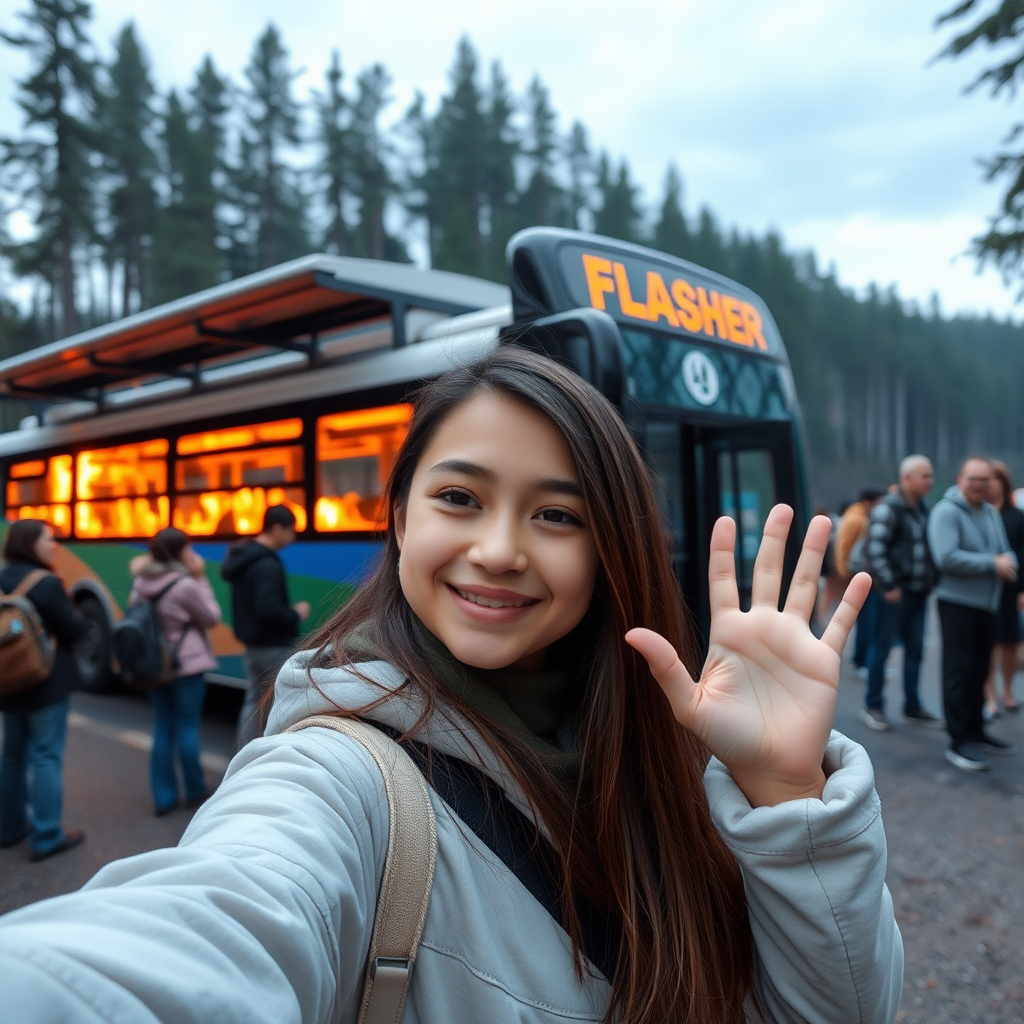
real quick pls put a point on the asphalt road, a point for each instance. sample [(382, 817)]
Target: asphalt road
[(956, 841)]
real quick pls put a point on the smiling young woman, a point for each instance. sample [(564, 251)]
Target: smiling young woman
[(519, 637)]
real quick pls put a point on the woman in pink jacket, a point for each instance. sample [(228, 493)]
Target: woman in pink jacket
[(173, 572)]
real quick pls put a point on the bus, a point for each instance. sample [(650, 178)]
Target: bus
[(292, 386)]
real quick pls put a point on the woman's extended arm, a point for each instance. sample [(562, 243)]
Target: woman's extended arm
[(267, 903)]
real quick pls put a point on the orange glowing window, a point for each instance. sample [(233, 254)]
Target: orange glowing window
[(125, 490), (24, 469), (255, 467), (228, 513), (354, 454), (41, 489), (240, 437), (58, 516)]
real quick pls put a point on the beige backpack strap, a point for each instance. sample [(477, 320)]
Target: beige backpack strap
[(22, 589), (408, 870)]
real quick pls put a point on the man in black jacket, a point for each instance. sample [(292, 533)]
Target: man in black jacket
[(901, 567), (263, 618)]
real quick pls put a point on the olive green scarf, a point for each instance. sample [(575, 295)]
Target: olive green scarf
[(531, 705)]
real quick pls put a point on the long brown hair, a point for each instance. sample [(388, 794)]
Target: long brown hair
[(637, 836)]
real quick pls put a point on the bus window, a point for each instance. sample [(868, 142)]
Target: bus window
[(122, 491), (354, 453), (226, 482), (41, 489)]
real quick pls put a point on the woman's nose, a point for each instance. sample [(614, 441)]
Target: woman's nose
[(498, 548)]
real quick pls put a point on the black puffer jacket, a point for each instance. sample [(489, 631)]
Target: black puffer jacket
[(62, 620), (259, 597)]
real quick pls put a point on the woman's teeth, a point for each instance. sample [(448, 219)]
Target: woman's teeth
[(491, 602)]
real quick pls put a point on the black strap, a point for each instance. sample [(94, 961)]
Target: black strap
[(188, 625), (482, 805), (156, 600)]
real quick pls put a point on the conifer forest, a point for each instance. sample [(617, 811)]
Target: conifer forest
[(136, 192)]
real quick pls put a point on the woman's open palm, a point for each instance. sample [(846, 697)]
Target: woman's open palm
[(766, 698)]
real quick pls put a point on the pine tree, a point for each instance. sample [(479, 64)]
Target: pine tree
[(127, 125), (50, 164), (271, 223), (500, 197), (580, 166), (372, 181), (186, 257), (618, 215), (671, 234), (335, 165), (461, 135), (420, 185), (543, 200)]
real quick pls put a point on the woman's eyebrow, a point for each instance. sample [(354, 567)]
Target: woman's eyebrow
[(461, 466)]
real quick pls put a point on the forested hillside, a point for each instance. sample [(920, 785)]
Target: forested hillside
[(127, 193)]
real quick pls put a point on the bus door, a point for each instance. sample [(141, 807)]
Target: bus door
[(705, 471)]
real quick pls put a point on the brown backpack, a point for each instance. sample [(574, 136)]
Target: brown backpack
[(26, 649)]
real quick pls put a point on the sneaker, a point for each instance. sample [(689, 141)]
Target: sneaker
[(874, 719), (923, 718), (967, 758), (995, 746)]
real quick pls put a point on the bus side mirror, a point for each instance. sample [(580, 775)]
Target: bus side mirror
[(586, 340)]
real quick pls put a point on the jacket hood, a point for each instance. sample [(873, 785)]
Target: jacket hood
[(954, 495), (302, 691), (238, 559), (151, 576)]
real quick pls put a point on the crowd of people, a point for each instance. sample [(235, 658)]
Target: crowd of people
[(171, 575), (967, 551)]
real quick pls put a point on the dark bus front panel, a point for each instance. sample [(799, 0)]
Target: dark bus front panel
[(704, 471)]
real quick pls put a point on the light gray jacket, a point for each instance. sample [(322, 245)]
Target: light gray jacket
[(263, 913), (965, 541)]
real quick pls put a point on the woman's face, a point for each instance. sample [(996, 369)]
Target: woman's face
[(46, 547), (498, 560)]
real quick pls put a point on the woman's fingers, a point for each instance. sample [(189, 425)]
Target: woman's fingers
[(846, 614), (767, 580), (803, 591), (722, 567), (683, 694)]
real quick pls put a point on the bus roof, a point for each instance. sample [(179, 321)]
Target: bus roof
[(283, 308)]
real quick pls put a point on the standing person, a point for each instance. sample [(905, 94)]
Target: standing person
[(495, 640), (263, 619), (903, 574), (36, 720), (1011, 601), (971, 551), (851, 540), (175, 572)]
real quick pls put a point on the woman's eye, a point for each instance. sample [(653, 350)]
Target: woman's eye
[(559, 515), (460, 499)]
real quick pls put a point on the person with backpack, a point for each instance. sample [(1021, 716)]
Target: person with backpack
[(35, 720), (603, 838), (172, 576)]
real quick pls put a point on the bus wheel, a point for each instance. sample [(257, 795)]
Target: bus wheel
[(93, 651)]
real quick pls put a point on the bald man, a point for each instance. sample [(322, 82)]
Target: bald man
[(901, 567)]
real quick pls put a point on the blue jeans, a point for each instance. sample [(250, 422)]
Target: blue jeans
[(865, 629), (905, 620), (33, 746), (177, 708)]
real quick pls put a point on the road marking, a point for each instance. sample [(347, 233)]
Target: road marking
[(138, 740)]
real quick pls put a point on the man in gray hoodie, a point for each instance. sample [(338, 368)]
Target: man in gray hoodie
[(971, 551)]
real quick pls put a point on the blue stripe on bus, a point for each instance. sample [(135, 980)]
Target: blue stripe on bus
[(343, 561)]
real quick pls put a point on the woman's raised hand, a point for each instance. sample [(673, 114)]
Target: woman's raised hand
[(766, 698)]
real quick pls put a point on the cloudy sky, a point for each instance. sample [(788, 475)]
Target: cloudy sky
[(825, 120)]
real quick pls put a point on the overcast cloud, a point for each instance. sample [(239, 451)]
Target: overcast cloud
[(824, 120)]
